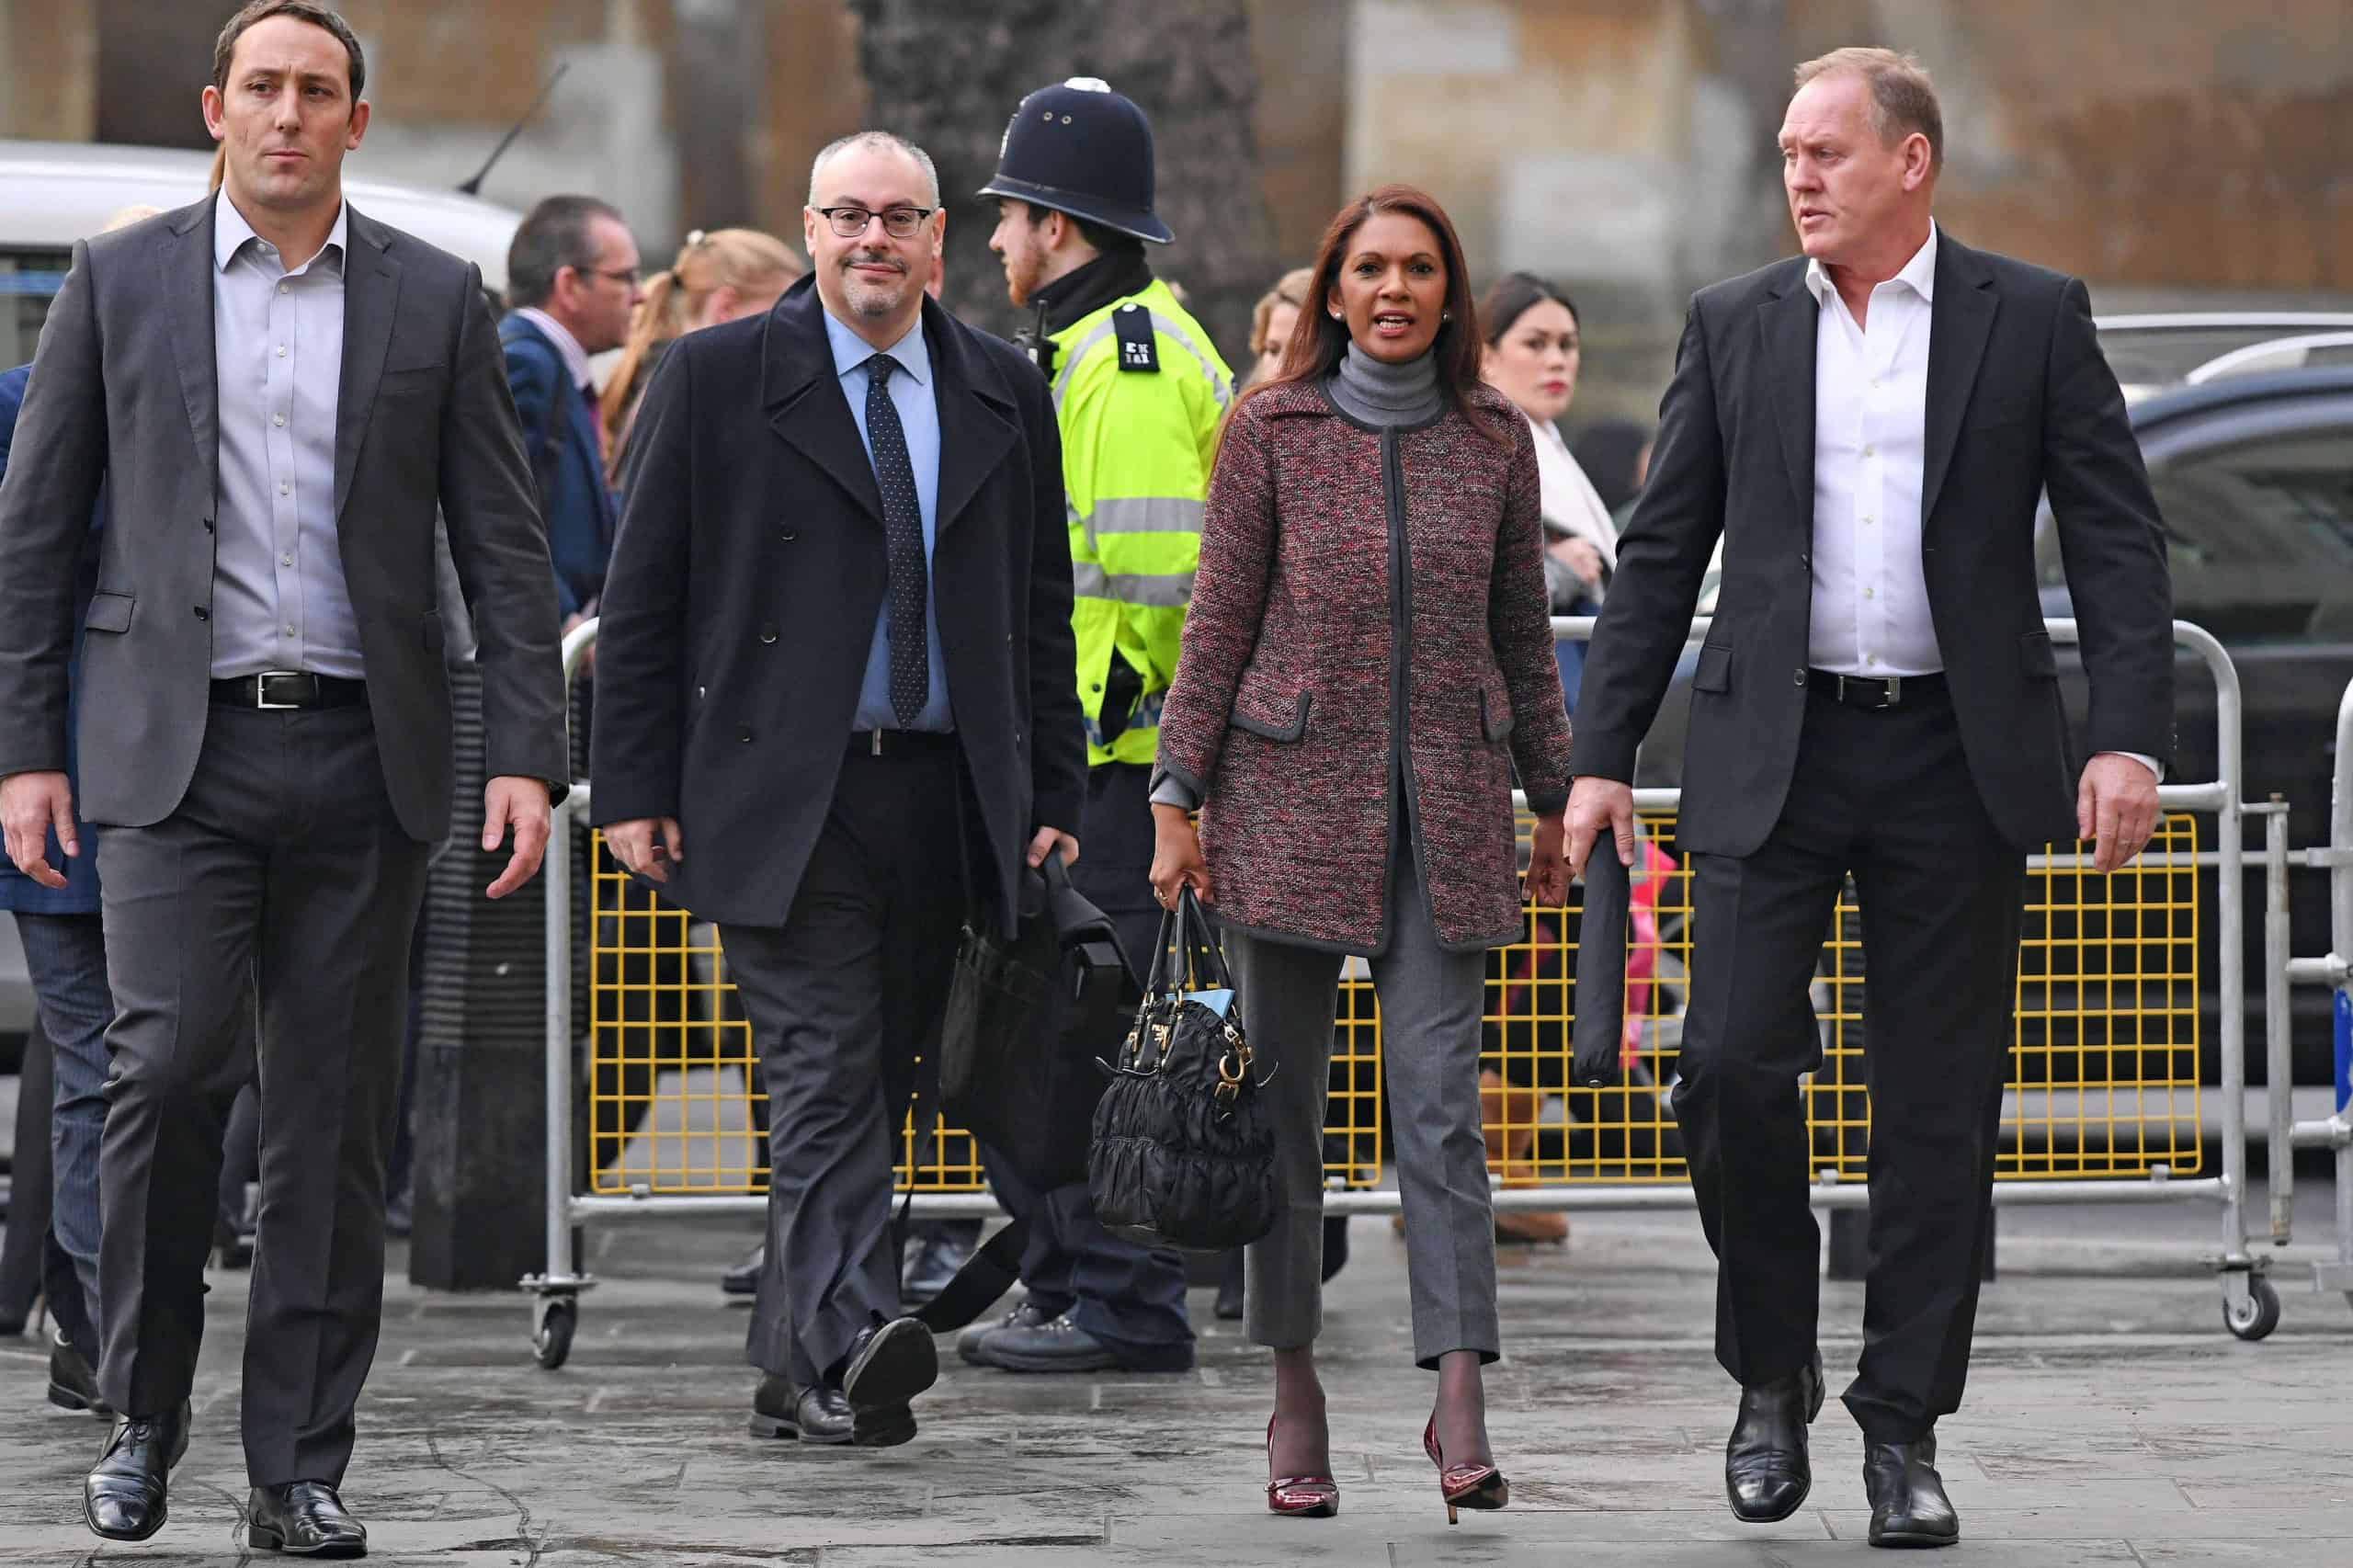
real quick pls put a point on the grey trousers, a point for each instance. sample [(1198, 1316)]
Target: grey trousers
[(1430, 1008)]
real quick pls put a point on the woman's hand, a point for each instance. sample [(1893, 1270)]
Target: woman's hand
[(1580, 557), (1176, 856), (1548, 863)]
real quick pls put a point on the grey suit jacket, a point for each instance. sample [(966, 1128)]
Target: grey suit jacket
[(123, 387)]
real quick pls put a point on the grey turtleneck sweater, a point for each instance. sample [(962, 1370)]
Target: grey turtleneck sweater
[(1375, 392)]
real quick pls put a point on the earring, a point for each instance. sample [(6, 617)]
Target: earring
[(1446, 315)]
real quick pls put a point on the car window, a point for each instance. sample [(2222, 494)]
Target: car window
[(28, 280), (2258, 535)]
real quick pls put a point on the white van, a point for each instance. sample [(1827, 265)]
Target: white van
[(53, 193)]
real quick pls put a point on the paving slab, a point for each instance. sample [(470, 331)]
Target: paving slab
[(2111, 1421)]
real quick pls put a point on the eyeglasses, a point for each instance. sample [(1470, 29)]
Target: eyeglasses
[(899, 222), (627, 277)]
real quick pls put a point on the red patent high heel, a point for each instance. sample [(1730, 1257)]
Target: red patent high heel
[(1299, 1496), (1464, 1485)]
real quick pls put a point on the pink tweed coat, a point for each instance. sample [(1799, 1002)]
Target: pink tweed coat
[(1305, 643)]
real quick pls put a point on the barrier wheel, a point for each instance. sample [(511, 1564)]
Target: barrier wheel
[(558, 1315), (2259, 1317)]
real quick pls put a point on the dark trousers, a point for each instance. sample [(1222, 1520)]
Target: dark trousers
[(1129, 1297), (1886, 795), (33, 1263), (65, 959), (283, 869), (843, 998)]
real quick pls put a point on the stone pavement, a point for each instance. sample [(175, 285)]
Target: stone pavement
[(2111, 1421)]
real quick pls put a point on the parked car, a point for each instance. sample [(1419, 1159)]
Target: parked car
[(2254, 478), (53, 193)]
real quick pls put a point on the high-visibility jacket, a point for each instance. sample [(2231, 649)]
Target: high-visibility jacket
[(1139, 391)]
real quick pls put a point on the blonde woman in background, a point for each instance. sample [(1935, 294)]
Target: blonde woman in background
[(1270, 323), (721, 275)]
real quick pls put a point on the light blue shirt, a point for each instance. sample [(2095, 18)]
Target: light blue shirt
[(279, 601), (913, 395)]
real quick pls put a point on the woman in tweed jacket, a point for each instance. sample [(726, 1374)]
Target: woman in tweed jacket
[(1366, 662)]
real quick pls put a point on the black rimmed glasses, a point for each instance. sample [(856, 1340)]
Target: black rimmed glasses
[(899, 222)]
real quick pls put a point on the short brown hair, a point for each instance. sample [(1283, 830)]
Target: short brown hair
[(259, 11), (1903, 100)]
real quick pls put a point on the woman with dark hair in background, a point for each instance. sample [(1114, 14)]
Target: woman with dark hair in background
[(1532, 357), (1366, 665)]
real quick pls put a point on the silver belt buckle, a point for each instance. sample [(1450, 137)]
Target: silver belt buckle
[(1893, 693), (261, 689)]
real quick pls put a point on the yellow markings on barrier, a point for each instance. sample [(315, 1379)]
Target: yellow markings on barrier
[(2103, 1079)]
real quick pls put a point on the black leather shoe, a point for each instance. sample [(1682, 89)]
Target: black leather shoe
[(931, 1261), (123, 1498), (1908, 1503), (72, 1384), (1767, 1471), (305, 1519), (744, 1279), (783, 1410), (888, 1365), (971, 1342)]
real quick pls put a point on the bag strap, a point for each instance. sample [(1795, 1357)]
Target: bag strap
[(1203, 959), (994, 1269)]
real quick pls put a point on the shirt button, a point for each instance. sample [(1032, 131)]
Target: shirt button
[(289, 561), (286, 487), (281, 354), (284, 288), (278, 419), (286, 632), (1870, 592), (1872, 661), (1870, 451), (1866, 522)]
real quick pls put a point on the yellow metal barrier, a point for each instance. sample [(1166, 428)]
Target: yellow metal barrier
[(2104, 1077)]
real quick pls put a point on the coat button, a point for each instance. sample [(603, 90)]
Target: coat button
[(767, 633), (208, 525), (1798, 678), (743, 734), (203, 613), (787, 535)]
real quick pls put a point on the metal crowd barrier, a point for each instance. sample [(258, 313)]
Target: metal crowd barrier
[(2104, 1101)]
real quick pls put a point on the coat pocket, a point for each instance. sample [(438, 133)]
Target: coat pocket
[(109, 612), (1714, 671), (1289, 729), (1495, 717), (2036, 657)]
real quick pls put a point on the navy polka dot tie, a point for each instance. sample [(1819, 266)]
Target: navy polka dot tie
[(903, 532)]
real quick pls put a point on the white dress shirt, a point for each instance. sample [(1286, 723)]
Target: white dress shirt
[(279, 601), (1871, 409)]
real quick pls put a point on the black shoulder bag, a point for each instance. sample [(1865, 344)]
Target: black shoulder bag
[(1184, 1154)]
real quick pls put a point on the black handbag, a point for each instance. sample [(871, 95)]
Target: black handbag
[(1184, 1154), (1026, 1019)]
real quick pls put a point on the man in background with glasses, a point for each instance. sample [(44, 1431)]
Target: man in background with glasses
[(571, 283), (833, 714)]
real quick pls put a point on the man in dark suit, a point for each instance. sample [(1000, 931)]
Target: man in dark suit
[(278, 392), (808, 739), (572, 279), (1868, 428)]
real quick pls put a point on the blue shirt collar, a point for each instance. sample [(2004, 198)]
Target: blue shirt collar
[(851, 352)]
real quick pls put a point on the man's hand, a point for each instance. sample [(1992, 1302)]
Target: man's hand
[(647, 846), (31, 804), (1595, 806), (524, 802), (2116, 805), (1050, 839), (1548, 865)]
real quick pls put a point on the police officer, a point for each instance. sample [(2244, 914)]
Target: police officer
[(1138, 392)]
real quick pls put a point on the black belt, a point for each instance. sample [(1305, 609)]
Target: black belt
[(1870, 691), (900, 743), (279, 689)]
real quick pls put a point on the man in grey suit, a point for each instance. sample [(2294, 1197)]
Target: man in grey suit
[(278, 392)]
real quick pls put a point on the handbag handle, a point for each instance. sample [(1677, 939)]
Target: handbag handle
[(1203, 958)]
